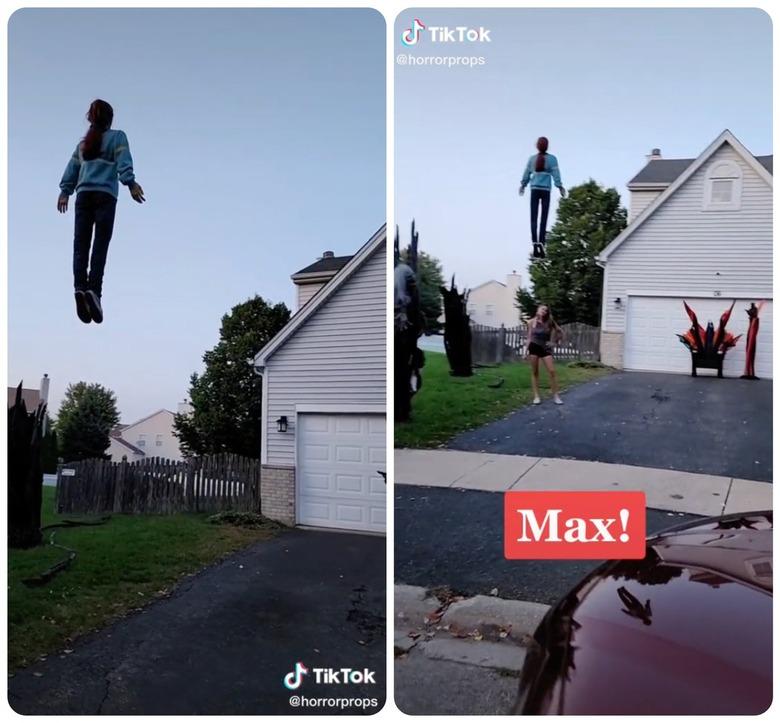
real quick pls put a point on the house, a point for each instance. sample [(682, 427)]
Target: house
[(31, 397), (324, 392), (700, 230), (494, 303), (152, 436)]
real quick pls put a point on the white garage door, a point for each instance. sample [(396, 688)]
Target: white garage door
[(652, 324), (339, 459)]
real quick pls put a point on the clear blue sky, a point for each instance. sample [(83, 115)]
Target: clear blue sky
[(259, 138), (605, 86)]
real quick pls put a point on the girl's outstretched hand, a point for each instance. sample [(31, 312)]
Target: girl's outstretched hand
[(62, 203), (137, 193)]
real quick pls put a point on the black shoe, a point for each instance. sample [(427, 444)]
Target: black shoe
[(95, 309), (82, 310), (542, 254), (536, 251)]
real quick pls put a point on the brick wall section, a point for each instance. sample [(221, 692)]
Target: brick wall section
[(277, 493), (612, 348)]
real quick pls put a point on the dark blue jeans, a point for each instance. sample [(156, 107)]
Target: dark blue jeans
[(539, 196), (94, 210)]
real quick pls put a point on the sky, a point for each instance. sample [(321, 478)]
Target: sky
[(258, 136), (605, 86)]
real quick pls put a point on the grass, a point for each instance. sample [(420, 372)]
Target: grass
[(447, 405), (120, 566)]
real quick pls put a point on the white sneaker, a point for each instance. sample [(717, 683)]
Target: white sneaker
[(557, 399), (537, 400)]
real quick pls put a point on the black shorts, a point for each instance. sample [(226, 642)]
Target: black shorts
[(538, 350)]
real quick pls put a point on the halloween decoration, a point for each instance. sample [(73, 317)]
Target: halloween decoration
[(457, 330), (708, 347), (25, 473), (750, 342), (407, 322)]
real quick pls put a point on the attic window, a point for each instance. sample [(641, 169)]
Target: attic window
[(723, 187)]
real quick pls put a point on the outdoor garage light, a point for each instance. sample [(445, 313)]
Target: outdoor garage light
[(618, 301), (281, 424)]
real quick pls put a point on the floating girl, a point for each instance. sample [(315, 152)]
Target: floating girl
[(101, 159), (541, 172)]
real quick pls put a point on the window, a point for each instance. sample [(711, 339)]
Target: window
[(489, 308), (159, 440), (723, 187)]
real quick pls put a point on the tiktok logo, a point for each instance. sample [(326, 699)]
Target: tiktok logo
[(294, 679), (410, 36)]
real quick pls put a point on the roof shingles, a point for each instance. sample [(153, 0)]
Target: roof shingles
[(664, 171)]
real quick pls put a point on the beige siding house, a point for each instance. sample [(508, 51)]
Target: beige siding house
[(151, 436), (700, 230), (324, 392), (494, 303)]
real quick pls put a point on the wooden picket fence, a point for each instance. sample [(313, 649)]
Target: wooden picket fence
[(496, 345), (159, 486)]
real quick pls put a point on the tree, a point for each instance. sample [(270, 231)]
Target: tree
[(430, 279), (49, 447), (569, 280), (226, 398), (85, 420)]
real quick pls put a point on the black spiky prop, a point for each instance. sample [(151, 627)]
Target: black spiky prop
[(25, 473), (457, 330)]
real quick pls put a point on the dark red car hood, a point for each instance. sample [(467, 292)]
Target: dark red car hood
[(686, 630)]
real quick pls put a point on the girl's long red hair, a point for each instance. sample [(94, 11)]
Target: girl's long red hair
[(541, 145), (100, 116)]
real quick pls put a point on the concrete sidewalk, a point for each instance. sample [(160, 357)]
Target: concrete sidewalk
[(459, 656), (665, 489)]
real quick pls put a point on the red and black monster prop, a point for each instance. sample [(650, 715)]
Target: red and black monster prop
[(708, 347), (750, 342)]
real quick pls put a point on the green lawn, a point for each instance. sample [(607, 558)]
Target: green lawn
[(447, 405), (120, 566)]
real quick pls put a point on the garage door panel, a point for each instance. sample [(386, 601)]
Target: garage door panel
[(341, 488), (652, 325)]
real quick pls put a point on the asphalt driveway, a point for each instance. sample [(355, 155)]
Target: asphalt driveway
[(707, 425), (223, 642), (455, 538)]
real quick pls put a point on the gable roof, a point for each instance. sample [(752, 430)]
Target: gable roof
[(725, 137), (486, 283), (30, 397), (663, 171), (324, 265), (131, 447), (321, 297), (143, 419)]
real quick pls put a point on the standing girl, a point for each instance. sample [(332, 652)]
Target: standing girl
[(541, 171), (100, 158), (542, 330)]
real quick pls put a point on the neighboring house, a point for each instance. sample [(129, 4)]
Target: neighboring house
[(151, 436), (31, 397), (494, 303), (324, 392), (700, 230)]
